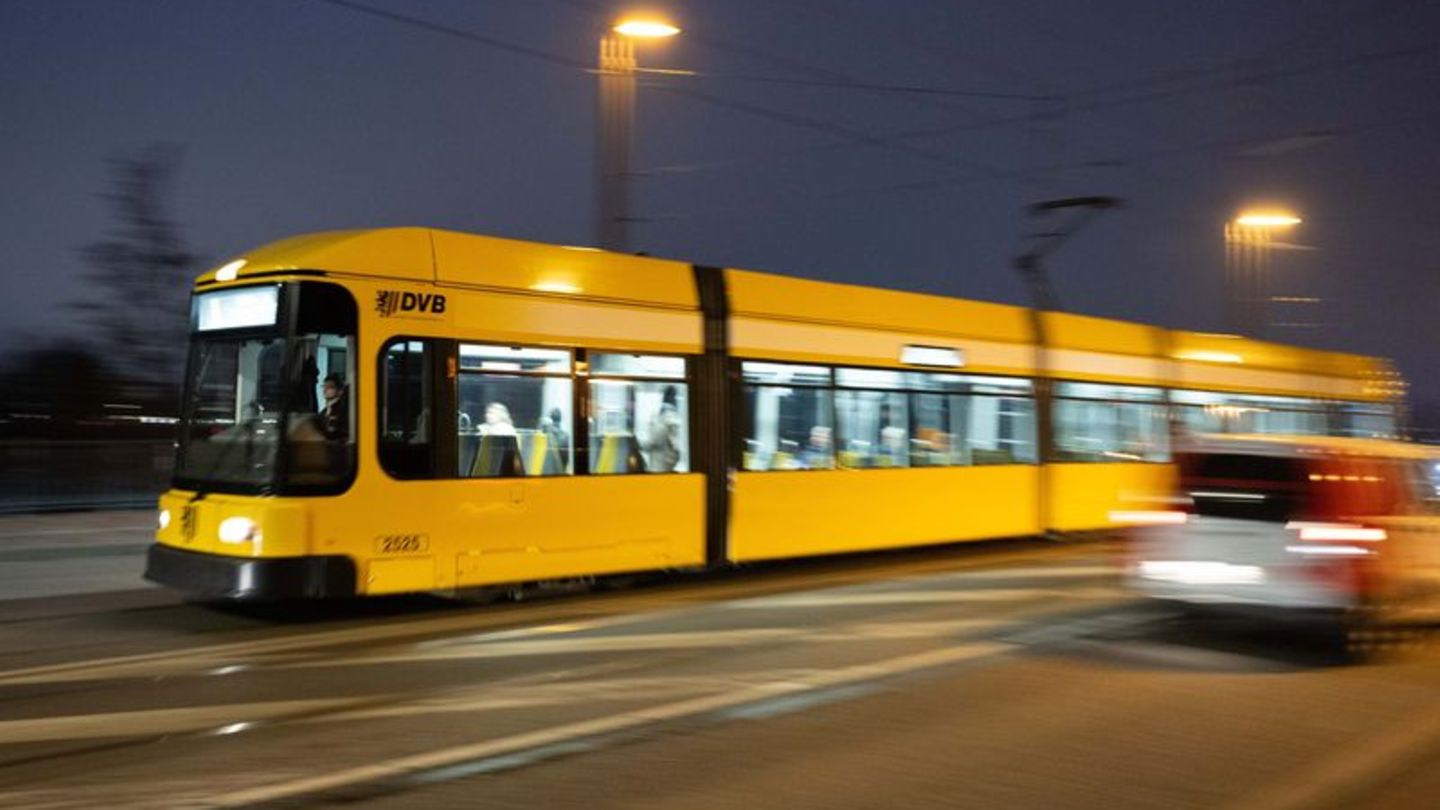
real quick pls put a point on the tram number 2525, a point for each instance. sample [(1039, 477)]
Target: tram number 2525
[(402, 544)]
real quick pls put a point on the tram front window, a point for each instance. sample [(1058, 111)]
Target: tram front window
[(231, 433), (266, 411)]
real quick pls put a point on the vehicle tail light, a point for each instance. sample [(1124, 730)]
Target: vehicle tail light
[(1336, 532), (1338, 555)]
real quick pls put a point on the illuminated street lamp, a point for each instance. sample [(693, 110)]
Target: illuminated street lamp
[(615, 118), (646, 29), (1248, 244), (1267, 220)]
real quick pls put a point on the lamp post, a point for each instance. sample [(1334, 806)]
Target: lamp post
[(615, 118), (1248, 248)]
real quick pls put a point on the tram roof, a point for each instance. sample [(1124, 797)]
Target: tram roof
[(471, 260), (448, 257)]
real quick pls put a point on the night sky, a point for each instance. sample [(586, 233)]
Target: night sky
[(796, 151)]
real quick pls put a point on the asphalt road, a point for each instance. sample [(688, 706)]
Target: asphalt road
[(1002, 675)]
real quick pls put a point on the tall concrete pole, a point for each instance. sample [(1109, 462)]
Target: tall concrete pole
[(615, 119), (1247, 272)]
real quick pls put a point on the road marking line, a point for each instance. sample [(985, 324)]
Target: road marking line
[(148, 526), (43, 554), (658, 641), (196, 659), (1045, 572), (600, 644), (408, 765), (214, 655), (486, 698), (154, 722), (1357, 764), (790, 704), (806, 600)]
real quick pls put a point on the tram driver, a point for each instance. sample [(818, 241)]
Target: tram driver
[(335, 416)]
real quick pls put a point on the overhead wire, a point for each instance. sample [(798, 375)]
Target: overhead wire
[(456, 33), (895, 141), (927, 184), (852, 135)]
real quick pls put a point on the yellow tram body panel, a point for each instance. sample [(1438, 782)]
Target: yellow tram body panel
[(1080, 347), (281, 525), (794, 514), (440, 535), (1083, 497), (1231, 363), (491, 531), (799, 320)]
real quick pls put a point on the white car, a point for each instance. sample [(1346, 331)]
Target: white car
[(1340, 527)]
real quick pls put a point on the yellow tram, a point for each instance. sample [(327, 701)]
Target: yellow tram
[(402, 410)]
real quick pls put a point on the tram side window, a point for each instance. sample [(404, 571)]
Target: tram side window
[(406, 429), (1220, 412), (639, 414), (1366, 420), (1425, 478), (1095, 422), (874, 423), (1288, 415), (874, 428), (1000, 430), (980, 421), (790, 417), (883, 418), (515, 412)]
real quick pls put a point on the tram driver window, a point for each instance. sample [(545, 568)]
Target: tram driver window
[(321, 408)]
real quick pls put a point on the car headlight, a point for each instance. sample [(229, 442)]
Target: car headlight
[(239, 530), (164, 519)]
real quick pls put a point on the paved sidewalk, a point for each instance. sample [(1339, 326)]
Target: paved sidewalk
[(73, 553)]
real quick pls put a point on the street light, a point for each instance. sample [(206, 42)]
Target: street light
[(646, 29), (1263, 220), (1248, 244), (615, 118)]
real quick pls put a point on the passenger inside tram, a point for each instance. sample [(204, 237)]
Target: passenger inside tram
[(819, 450)]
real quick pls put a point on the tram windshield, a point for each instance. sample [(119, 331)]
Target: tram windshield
[(267, 407)]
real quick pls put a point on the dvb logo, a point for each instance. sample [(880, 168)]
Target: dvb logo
[(394, 303)]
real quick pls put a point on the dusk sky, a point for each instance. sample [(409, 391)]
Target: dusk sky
[(800, 148)]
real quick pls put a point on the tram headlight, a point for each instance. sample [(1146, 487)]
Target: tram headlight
[(164, 519), (239, 530)]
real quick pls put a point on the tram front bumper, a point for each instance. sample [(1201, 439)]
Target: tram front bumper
[(247, 578)]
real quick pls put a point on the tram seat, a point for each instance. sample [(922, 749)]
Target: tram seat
[(498, 457), (617, 453), (469, 445), (853, 459), (979, 457), (783, 461), (540, 457)]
